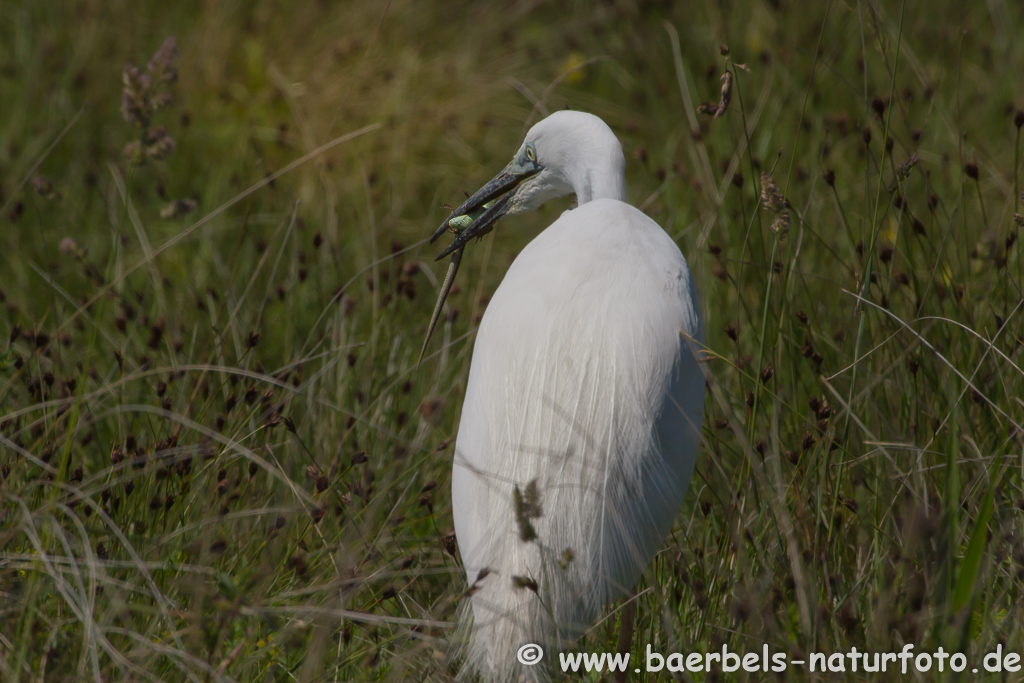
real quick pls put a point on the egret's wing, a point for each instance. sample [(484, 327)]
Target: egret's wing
[(581, 380)]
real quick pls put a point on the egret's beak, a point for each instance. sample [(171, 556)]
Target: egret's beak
[(474, 218), (483, 209)]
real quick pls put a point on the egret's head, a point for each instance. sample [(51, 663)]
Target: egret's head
[(569, 152), (578, 154)]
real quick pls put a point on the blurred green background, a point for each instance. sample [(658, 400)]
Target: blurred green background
[(218, 459)]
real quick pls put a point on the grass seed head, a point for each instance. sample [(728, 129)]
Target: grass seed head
[(527, 507), (525, 582)]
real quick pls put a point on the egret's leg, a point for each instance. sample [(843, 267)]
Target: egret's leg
[(626, 630)]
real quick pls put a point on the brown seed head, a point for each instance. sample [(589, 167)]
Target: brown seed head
[(726, 96), (449, 543)]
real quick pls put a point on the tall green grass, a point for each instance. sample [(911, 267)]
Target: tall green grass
[(217, 461)]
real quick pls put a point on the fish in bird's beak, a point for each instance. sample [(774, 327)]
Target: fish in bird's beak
[(476, 217), (485, 206)]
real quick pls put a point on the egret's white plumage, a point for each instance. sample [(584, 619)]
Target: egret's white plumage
[(583, 378)]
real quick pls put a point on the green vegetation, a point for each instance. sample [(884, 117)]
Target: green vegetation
[(217, 461)]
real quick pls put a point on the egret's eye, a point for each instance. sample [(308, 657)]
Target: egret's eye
[(530, 154)]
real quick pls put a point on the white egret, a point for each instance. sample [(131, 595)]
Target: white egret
[(582, 414)]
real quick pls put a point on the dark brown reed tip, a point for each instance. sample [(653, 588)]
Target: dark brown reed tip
[(878, 105), (866, 132), (1018, 119), (449, 543), (814, 403), (730, 332), (723, 49), (971, 170), (830, 177), (767, 372)]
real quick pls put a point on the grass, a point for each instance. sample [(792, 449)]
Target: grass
[(219, 463)]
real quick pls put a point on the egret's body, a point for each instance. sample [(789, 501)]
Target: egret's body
[(583, 379)]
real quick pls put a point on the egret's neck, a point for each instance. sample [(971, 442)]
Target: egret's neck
[(603, 180), (601, 186)]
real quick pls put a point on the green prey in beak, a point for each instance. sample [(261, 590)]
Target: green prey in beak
[(475, 218)]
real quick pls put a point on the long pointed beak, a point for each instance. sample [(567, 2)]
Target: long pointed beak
[(501, 184)]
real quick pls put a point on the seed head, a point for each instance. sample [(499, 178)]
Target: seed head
[(904, 169), (68, 245), (163, 67), (44, 186), (135, 105), (146, 92), (177, 209), (726, 97), (449, 543), (159, 144), (878, 105), (524, 582), (771, 198), (717, 110), (527, 507), (773, 201), (781, 223)]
